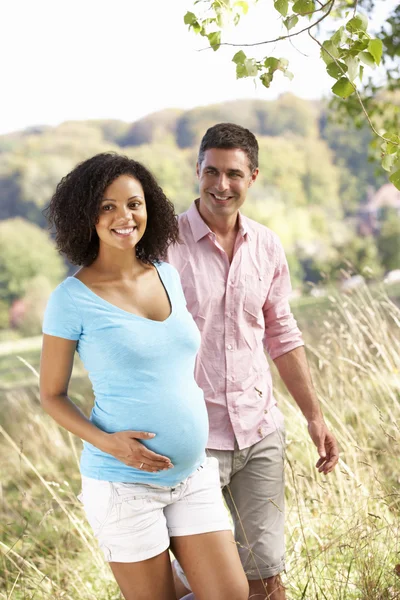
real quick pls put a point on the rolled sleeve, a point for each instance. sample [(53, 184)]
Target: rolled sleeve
[(281, 331)]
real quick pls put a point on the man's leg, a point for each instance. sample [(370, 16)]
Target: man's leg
[(270, 588), (255, 497)]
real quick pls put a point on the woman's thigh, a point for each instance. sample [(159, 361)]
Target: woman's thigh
[(212, 565), (146, 580), (127, 519), (202, 540)]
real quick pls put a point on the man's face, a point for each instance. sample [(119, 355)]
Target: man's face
[(224, 178)]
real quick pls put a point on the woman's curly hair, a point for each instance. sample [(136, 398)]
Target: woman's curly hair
[(74, 209)]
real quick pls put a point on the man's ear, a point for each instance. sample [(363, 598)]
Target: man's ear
[(253, 176), (197, 169)]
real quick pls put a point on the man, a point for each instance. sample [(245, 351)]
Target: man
[(236, 282)]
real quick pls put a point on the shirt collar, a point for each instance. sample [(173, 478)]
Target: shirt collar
[(200, 228)]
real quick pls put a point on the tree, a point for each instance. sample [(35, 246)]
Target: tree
[(389, 241), (26, 251), (346, 52)]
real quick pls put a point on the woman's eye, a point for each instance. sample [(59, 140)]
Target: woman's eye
[(135, 204), (107, 207)]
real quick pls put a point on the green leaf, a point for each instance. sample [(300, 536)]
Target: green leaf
[(395, 179), (358, 46), (343, 88), (241, 71), (271, 63), (214, 39), (251, 67), (357, 23), (239, 58), (288, 74), (367, 59), (393, 137), (335, 71), (339, 37), (352, 64), (329, 52), (197, 28), (243, 5), (190, 18), (266, 79), (388, 161), (375, 48), (291, 22), (282, 6), (304, 7), (247, 68), (361, 72)]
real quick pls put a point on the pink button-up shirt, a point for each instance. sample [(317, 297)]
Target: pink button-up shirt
[(241, 309)]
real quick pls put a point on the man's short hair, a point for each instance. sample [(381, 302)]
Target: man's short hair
[(227, 136)]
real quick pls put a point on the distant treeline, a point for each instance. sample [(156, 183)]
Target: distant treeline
[(314, 177)]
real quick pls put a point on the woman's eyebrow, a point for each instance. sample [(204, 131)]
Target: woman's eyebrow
[(112, 199)]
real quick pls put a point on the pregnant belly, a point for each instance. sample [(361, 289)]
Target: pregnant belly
[(180, 424)]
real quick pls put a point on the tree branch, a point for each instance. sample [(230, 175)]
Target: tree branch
[(330, 3), (355, 89)]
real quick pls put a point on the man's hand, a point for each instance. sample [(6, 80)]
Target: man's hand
[(326, 445)]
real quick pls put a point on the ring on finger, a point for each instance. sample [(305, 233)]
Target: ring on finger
[(141, 465)]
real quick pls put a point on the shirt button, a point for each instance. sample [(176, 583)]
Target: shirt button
[(259, 431), (265, 411), (260, 279), (229, 347)]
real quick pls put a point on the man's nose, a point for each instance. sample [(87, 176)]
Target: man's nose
[(222, 183)]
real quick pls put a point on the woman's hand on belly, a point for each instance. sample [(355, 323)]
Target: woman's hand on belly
[(124, 446)]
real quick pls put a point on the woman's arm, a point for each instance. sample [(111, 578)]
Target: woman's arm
[(55, 372)]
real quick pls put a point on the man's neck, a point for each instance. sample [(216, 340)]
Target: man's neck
[(223, 226)]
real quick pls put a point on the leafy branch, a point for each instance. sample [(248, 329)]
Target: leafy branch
[(345, 53)]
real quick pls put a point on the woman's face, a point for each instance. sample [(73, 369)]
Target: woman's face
[(122, 215)]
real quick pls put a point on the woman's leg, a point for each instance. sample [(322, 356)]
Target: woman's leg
[(212, 565), (146, 580)]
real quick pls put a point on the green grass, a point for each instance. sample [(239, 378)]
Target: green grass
[(343, 531)]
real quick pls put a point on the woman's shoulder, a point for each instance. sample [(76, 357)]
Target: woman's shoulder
[(167, 268)]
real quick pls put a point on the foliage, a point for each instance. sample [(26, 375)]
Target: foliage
[(34, 301), (173, 168), (157, 127), (347, 52), (314, 174), (25, 252), (389, 241)]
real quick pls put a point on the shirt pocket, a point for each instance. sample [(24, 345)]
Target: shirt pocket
[(255, 295)]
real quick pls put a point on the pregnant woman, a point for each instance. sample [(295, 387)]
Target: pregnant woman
[(147, 485)]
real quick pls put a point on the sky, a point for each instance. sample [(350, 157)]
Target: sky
[(95, 59)]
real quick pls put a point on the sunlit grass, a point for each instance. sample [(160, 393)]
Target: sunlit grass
[(343, 531)]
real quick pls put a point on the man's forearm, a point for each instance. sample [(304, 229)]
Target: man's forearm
[(295, 373)]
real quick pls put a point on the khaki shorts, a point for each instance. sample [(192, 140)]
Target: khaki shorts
[(133, 521), (252, 482)]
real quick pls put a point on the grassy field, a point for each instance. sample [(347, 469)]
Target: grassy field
[(343, 531)]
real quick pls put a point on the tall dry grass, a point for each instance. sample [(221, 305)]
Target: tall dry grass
[(343, 530)]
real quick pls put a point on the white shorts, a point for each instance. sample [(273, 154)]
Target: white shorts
[(134, 521)]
